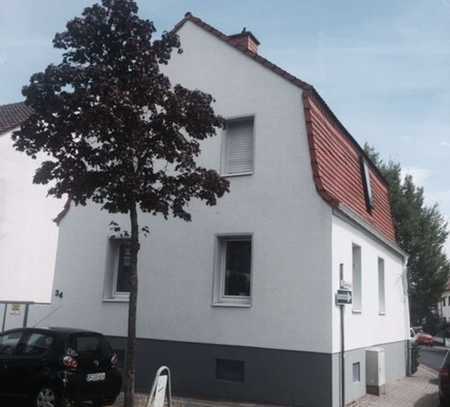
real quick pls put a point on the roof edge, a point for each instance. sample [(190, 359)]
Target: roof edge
[(289, 77), (348, 215)]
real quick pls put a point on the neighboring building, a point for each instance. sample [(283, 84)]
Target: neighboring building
[(28, 235), (240, 302), (444, 306)]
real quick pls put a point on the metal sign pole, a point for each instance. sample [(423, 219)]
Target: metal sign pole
[(25, 315), (4, 317), (342, 357), (343, 296)]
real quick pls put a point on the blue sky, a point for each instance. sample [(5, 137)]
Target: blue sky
[(383, 67)]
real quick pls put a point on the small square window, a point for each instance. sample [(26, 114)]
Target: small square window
[(233, 270), (356, 372), (238, 147), (122, 268), (230, 370)]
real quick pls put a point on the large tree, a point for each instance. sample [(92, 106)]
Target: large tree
[(421, 232), (117, 132)]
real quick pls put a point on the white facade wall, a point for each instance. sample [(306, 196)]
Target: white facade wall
[(28, 235), (445, 309), (368, 328), (278, 205)]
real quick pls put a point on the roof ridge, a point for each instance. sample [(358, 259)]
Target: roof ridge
[(286, 75)]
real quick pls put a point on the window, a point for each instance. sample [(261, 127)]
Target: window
[(381, 287), (91, 344), (238, 147), (356, 372), (233, 270), (9, 341), (356, 278), (367, 185), (122, 266), (230, 370), (36, 344), (443, 301)]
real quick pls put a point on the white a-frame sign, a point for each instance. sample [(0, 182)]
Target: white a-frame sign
[(161, 389)]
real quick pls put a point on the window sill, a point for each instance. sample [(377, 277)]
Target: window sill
[(238, 174), (125, 299), (356, 311), (231, 304), (382, 313)]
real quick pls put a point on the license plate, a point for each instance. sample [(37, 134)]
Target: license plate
[(96, 377)]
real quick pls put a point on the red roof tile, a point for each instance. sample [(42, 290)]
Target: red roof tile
[(13, 115), (337, 169), (335, 154)]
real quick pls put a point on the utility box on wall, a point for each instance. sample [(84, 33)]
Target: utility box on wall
[(375, 371)]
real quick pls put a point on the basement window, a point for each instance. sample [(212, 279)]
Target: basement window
[(367, 185), (230, 370)]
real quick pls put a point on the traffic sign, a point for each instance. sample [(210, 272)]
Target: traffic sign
[(343, 297)]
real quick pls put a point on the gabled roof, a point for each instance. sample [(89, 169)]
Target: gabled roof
[(12, 115), (335, 154)]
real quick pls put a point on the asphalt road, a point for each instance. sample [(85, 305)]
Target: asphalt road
[(432, 356)]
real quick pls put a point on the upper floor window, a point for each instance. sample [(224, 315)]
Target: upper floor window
[(367, 185), (122, 267), (233, 270), (356, 278), (238, 152), (381, 287)]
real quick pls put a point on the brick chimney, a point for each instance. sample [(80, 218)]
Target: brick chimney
[(245, 40)]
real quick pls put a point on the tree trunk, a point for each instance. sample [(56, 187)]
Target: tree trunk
[(132, 310)]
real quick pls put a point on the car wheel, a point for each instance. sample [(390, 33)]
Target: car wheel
[(47, 397)]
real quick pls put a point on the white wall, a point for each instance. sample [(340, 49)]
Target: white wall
[(445, 310), (28, 236), (368, 328), (291, 228)]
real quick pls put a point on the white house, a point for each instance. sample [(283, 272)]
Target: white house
[(28, 234), (240, 303), (444, 306)]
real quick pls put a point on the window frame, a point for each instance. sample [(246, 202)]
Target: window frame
[(223, 154), (357, 307), (19, 331), (368, 192), (115, 294), (381, 298), (219, 298), (356, 365)]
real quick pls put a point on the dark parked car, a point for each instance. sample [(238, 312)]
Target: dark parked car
[(55, 365), (444, 381)]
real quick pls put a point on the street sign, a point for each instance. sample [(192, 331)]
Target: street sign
[(343, 297), (160, 389), (160, 394)]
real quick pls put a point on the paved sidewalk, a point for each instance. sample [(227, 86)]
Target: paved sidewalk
[(420, 390)]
